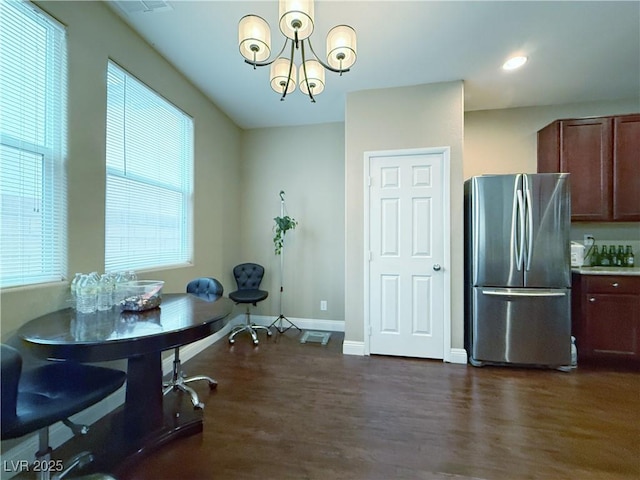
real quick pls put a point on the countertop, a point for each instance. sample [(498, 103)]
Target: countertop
[(634, 271)]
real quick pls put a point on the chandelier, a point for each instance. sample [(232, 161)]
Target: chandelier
[(296, 24)]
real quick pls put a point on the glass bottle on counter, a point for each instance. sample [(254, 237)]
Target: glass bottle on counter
[(605, 260), (629, 258), (613, 256), (621, 257), (594, 256)]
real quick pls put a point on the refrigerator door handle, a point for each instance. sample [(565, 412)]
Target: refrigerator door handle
[(501, 292), (529, 211), (519, 215)]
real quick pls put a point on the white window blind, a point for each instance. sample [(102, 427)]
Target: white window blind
[(149, 177), (33, 85)]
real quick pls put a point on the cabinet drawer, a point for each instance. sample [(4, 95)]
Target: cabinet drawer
[(610, 284)]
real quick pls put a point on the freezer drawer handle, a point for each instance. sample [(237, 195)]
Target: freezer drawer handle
[(504, 293)]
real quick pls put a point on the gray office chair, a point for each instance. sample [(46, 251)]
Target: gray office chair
[(35, 399), (208, 289), (248, 277)]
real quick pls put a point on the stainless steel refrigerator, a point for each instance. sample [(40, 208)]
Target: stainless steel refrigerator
[(517, 270)]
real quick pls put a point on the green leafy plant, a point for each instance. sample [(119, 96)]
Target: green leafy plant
[(283, 224)]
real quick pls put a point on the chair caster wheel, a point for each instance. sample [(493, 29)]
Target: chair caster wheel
[(232, 341), (256, 342), (269, 333), (198, 406), (213, 386)]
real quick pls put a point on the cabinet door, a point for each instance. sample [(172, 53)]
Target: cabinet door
[(611, 325), (585, 153), (626, 168), (549, 148)]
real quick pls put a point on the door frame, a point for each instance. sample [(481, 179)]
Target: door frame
[(446, 238)]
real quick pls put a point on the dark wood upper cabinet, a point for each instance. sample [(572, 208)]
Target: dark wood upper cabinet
[(602, 155), (626, 168)]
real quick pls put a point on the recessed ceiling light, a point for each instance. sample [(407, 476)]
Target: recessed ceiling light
[(514, 62)]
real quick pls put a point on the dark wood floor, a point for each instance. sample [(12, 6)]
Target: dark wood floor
[(285, 410)]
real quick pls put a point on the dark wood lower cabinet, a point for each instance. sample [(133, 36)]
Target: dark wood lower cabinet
[(606, 317)]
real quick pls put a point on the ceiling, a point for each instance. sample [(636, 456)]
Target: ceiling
[(578, 52)]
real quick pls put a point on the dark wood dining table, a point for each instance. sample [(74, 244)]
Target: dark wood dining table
[(146, 420)]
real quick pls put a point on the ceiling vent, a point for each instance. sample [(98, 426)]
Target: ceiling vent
[(142, 6)]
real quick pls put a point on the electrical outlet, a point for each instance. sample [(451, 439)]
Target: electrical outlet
[(323, 305), (588, 239)]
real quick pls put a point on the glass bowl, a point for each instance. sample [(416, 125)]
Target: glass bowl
[(141, 295)]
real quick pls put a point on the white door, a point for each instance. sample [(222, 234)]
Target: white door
[(407, 229)]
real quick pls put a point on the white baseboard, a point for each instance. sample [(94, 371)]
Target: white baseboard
[(458, 355), (302, 323), (352, 348)]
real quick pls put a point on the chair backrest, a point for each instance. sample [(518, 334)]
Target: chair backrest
[(248, 276), (11, 370), (205, 287)]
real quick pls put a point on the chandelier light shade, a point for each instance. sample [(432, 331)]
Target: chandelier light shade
[(296, 18), (280, 73), (311, 77), (341, 47), (254, 38), (296, 22)]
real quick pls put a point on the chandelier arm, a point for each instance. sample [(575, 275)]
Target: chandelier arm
[(328, 67), (304, 68), (286, 87), (268, 62)]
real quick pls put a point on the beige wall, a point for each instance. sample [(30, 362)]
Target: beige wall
[(95, 34), (400, 118), (238, 176), (307, 163), (504, 141)]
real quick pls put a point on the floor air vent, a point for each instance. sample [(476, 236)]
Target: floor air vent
[(310, 336)]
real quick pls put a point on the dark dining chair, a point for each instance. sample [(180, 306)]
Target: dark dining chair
[(248, 277), (33, 400), (209, 289)]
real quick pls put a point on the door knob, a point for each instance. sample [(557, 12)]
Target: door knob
[(436, 267)]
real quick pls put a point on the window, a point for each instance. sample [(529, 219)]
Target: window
[(149, 177), (33, 85)]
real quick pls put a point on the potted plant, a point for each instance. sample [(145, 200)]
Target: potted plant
[(283, 224)]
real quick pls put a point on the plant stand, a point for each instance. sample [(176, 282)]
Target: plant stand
[(279, 327)]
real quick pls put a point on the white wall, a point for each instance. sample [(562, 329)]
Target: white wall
[(400, 118)]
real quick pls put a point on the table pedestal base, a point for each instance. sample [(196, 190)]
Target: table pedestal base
[(115, 450)]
